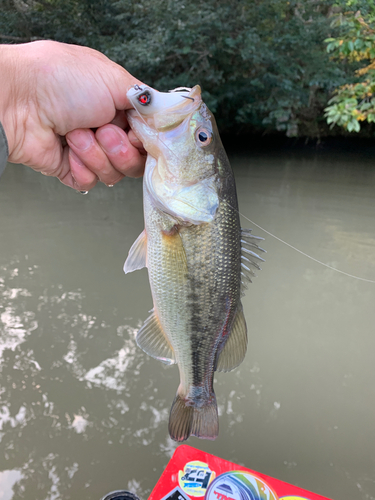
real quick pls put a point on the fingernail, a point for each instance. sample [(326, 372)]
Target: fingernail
[(81, 140), (110, 140)]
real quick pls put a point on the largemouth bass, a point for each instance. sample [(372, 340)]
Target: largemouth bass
[(197, 256)]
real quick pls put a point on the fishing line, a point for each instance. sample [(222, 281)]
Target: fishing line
[(260, 227), (147, 125), (300, 251)]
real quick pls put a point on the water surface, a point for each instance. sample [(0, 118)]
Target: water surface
[(84, 411)]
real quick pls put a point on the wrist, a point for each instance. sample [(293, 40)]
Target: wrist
[(7, 77), (13, 96)]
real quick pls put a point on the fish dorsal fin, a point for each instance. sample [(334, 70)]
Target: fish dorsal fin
[(137, 254), (235, 348), (249, 257), (152, 340)]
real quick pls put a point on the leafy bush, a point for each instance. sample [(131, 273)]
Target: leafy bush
[(354, 102), (261, 63)]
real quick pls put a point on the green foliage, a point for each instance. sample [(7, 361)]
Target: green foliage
[(262, 64), (354, 45)]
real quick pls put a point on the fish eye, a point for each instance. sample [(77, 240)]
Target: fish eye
[(144, 98), (203, 136)]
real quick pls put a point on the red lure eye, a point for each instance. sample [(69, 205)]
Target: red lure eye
[(144, 98)]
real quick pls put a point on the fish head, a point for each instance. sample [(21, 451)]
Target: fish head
[(180, 134)]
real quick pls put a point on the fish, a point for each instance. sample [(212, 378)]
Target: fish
[(199, 260)]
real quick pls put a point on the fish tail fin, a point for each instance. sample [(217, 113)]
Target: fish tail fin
[(180, 419), (206, 420), (186, 420)]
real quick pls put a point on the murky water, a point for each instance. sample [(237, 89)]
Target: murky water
[(83, 411)]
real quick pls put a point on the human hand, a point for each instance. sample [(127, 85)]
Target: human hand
[(52, 95)]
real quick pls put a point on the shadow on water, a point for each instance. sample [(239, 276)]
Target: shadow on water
[(84, 411)]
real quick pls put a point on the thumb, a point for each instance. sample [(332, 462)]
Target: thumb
[(119, 81)]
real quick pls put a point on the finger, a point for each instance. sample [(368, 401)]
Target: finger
[(84, 179), (133, 139), (91, 156), (120, 120), (69, 169), (57, 161), (124, 157)]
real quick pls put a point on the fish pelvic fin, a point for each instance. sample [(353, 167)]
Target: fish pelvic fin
[(137, 254), (234, 350), (153, 341), (186, 420)]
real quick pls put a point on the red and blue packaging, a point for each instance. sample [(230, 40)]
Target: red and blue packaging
[(192, 474)]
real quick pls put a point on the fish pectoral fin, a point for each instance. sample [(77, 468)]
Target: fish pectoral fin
[(234, 350), (151, 338), (137, 254), (174, 252)]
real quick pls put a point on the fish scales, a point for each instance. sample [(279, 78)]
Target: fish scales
[(191, 246)]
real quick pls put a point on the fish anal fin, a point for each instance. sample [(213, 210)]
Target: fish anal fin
[(235, 347), (152, 340), (137, 254), (200, 421)]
